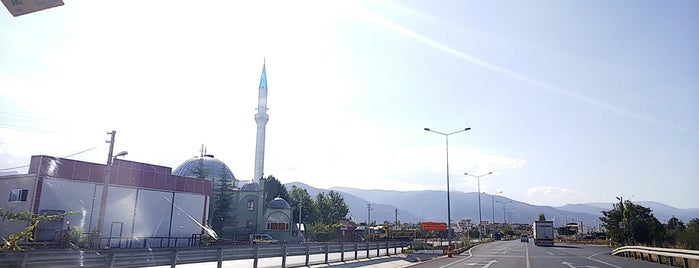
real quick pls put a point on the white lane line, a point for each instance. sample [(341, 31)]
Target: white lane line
[(602, 262), (526, 253)]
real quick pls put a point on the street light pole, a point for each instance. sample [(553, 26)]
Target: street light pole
[(504, 220), (105, 189), (480, 217), (446, 137), (492, 202)]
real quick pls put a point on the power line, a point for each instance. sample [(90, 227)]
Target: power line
[(80, 152)]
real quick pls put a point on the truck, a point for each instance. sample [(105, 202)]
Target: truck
[(543, 233), (385, 233)]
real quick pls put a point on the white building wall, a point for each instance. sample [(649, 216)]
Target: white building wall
[(152, 214), (23, 182), (187, 214)]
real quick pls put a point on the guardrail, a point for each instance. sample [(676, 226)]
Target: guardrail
[(174, 256), (668, 256)]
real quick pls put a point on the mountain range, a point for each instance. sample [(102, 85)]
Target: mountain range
[(418, 206)]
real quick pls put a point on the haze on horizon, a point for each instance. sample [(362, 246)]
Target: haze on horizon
[(569, 102)]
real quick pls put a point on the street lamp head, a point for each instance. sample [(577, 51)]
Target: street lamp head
[(122, 153), (427, 129), (468, 128), (490, 173), (465, 173)]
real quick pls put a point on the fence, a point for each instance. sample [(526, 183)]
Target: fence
[(673, 257), (173, 256)]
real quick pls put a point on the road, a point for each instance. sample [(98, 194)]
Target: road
[(520, 254)]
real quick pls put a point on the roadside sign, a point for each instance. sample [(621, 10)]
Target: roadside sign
[(21, 7), (433, 226)]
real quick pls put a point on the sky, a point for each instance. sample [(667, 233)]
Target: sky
[(568, 101)]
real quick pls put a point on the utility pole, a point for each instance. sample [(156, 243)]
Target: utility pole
[(105, 190)]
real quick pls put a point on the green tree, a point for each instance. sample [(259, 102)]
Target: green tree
[(331, 208), (689, 239), (640, 226), (542, 217), (222, 205), (302, 202), (274, 188), (339, 207)]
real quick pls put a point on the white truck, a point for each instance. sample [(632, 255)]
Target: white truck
[(543, 233)]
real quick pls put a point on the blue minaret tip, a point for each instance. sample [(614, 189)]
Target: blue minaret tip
[(263, 79)]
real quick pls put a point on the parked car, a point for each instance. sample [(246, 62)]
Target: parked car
[(524, 238), (262, 239)]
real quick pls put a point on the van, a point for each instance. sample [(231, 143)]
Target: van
[(262, 239)]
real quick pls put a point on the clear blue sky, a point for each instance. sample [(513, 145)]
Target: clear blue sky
[(568, 101)]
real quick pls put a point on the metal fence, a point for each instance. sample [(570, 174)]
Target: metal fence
[(173, 256), (673, 257)]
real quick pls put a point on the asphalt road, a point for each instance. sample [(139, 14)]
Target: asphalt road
[(527, 255)]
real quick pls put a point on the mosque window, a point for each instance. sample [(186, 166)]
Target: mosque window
[(278, 221), (251, 205)]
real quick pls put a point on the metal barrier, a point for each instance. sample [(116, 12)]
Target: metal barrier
[(120, 257), (659, 255)]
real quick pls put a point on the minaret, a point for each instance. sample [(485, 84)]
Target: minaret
[(261, 118)]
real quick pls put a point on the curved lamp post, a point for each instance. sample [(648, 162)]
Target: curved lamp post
[(446, 136), (480, 217)]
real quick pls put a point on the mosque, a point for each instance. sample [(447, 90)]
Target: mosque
[(149, 205), (248, 212)]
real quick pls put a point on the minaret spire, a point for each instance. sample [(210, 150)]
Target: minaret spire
[(261, 119)]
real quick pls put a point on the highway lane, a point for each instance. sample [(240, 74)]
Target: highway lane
[(527, 255)]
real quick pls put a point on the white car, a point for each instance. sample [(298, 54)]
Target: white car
[(262, 239), (524, 238)]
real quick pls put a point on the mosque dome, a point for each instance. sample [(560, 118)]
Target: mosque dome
[(250, 187), (278, 203), (207, 164)]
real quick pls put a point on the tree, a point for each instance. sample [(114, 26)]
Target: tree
[(338, 205), (302, 202), (274, 188), (542, 217), (222, 204), (689, 239), (640, 226)]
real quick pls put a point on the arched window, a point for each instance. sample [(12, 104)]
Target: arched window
[(251, 205), (278, 221)]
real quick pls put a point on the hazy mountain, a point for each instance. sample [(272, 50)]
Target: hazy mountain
[(416, 206), (358, 206), (661, 211)]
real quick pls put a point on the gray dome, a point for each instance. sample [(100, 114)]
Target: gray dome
[(250, 187), (278, 203), (207, 164)]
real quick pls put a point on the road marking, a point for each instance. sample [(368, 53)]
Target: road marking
[(549, 253), (526, 253), (606, 263), (573, 266), (490, 263), (484, 265)]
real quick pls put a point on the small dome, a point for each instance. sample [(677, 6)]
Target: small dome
[(278, 203), (250, 187), (206, 164)]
